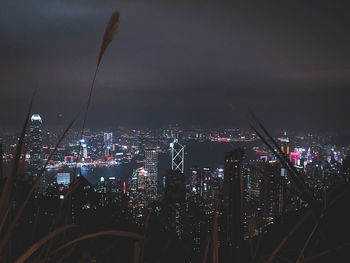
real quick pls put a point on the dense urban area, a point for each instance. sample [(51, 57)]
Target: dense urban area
[(235, 198)]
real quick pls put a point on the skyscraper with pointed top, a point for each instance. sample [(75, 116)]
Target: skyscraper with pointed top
[(36, 144)]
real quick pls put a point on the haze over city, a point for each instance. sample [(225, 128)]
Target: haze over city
[(178, 62)]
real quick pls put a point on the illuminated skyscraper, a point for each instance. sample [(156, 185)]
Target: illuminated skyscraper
[(151, 167), (284, 173), (177, 156), (108, 138), (285, 143), (271, 190), (195, 180), (138, 194), (36, 144), (108, 142), (174, 197)]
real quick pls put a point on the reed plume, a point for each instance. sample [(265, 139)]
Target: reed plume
[(111, 30)]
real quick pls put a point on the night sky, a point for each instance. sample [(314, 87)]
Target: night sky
[(181, 61)]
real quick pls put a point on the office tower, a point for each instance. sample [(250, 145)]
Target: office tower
[(285, 144), (174, 198), (108, 142), (205, 190), (174, 186), (270, 191), (195, 180), (36, 144), (282, 192), (138, 184), (233, 203), (108, 138), (151, 167), (137, 194), (132, 191), (177, 156), (84, 148)]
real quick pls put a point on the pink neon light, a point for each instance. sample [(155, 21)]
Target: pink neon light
[(295, 156), (124, 187)]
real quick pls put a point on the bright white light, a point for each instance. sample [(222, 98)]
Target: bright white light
[(36, 117), (102, 179), (61, 197)]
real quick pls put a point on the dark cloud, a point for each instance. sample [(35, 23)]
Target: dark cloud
[(178, 61)]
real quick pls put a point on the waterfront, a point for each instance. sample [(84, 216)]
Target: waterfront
[(200, 154), (197, 154)]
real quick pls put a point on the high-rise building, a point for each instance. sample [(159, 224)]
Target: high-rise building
[(205, 191), (108, 138), (285, 144), (270, 191), (174, 198), (177, 156), (108, 143), (84, 148), (137, 194), (195, 180), (174, 186), (151, 167), (233, 203), (36, 144)]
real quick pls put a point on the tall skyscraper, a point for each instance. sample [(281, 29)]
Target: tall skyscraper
[(174, 197), (108, 142), (84, 148), (151, 167), (177, 156), (108, 138), (174, 186), (36, 144), (285, 144), (233, 203), (138, 194), (270, 190)]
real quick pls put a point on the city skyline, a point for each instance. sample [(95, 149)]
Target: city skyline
[(199, 131)]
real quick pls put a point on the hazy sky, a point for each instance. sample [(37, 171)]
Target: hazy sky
[(179, 61)]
